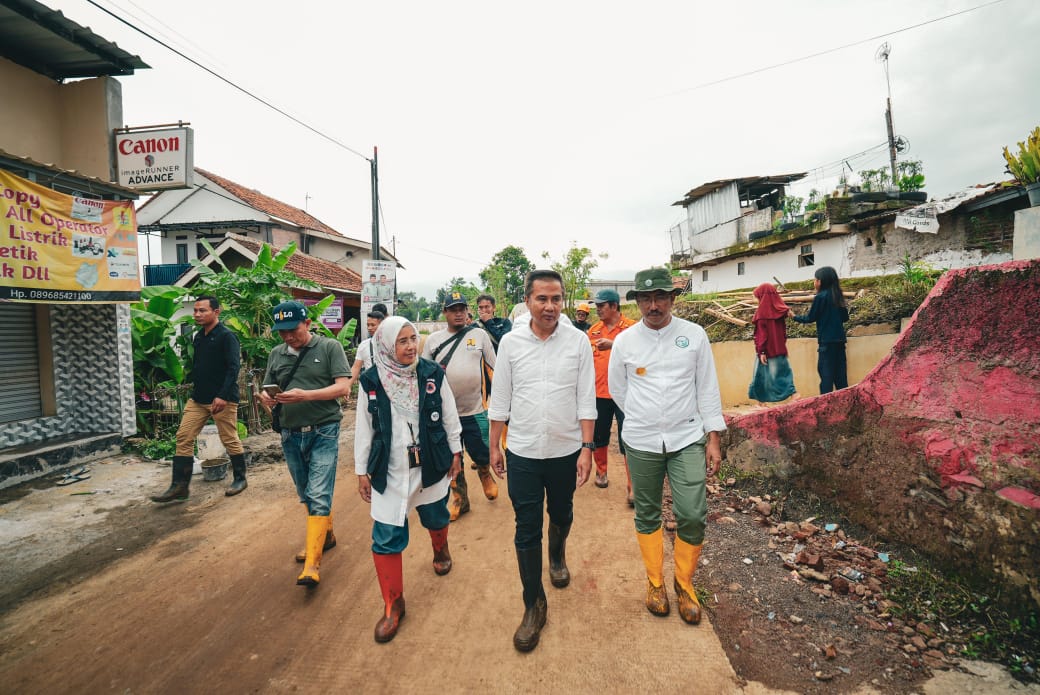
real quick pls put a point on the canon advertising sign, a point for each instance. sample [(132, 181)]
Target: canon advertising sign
[(156, 159)]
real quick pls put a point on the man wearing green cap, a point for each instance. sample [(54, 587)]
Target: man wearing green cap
[(310, 373), (662, 376)]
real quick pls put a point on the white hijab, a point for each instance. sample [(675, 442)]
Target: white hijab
[(398, 380)]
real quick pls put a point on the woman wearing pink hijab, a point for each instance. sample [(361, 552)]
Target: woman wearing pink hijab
[(773, 380)]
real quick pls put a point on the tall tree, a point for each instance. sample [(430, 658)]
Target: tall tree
[(576, 269), (504, 275), (457, 284)]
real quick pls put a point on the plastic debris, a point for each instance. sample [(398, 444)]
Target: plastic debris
[(772, 615), (748, 561), (830, 528), (851, 574), (883, 557)]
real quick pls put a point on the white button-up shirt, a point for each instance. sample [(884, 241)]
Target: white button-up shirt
[(404, 491), (543, 388), (665, 383)]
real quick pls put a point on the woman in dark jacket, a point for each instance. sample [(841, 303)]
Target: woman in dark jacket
[(829, 312), (407, 449)]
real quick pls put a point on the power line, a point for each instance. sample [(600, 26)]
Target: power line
[(227, 81), (757, 71)]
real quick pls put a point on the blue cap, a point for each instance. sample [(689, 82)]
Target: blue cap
[(288, 315)]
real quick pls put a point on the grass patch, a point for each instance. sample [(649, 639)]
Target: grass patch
[(982, 625)]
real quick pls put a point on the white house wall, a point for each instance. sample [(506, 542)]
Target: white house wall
[(833, 251), (848, 254)]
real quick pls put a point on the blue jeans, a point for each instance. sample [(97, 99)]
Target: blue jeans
[(311, 457), (531, 481), (686, 476), (474, 438), (389, 540)]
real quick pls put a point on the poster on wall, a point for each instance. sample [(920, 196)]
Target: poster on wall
[(378, 286), (60, 248), (332, 317)]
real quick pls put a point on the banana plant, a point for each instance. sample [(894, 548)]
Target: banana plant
[(1026, 166)]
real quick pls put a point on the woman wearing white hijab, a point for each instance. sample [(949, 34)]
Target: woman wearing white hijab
[(407, 449)]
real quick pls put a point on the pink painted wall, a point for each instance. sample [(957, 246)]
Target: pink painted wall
[(939, 446)]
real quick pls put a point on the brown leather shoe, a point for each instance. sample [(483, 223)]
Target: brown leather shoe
[(657, 599), (601, 480), (387, 626), (526, 636), (689, 606)]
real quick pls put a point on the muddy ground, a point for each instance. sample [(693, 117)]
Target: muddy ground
[(106, 592)]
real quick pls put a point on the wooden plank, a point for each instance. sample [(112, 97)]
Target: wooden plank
[(725, 317)]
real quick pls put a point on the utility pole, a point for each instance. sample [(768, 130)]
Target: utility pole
[(374, 164), (882, 55)]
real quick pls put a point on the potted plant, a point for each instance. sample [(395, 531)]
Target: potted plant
[(1026, 166), (911, 181)]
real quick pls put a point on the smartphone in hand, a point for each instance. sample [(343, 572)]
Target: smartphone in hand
[(272, 390)]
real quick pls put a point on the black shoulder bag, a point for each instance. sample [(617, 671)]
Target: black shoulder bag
[(276, 421), (454, 341)]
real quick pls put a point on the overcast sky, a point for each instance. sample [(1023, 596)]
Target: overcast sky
[(542, 123)]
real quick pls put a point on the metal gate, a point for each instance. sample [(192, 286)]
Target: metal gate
[(19, 363)]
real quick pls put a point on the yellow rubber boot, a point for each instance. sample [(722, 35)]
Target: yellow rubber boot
[(686, 558), (487, 482), (330, 542), (317, 526), (651, 545)]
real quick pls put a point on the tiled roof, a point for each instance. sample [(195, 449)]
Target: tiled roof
[(269, 205), (325, 273)]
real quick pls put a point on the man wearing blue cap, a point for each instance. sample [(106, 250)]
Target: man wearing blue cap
[(311, 372)]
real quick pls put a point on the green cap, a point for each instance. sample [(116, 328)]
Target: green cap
[(652, 280)]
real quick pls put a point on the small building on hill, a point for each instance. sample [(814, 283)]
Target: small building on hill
[(733, 237)]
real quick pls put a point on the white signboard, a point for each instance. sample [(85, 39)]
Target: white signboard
[(155, 160), (925, 218), (378, 286)]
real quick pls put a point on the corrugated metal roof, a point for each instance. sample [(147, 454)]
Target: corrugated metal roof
[(45, 41), (48, 174), (748, 183)]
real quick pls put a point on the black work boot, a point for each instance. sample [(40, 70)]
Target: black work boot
[(238, 467), (559, 575), (178, 490), (535, 609)]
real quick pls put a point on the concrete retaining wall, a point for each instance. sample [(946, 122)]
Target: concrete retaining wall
[(939, 446), (735, 360)]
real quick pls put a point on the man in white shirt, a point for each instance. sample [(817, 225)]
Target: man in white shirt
[(463, 350), (545, 387), (662, 376)]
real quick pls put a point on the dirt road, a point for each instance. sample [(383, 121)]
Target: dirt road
[(201, 597)]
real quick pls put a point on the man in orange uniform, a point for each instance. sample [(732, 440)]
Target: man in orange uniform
[(601, 335)]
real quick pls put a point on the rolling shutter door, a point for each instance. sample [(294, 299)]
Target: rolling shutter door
[(19, 363)]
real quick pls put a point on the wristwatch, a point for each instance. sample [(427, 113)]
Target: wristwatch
[(588, 445)]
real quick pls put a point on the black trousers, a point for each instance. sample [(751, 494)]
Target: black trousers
[(533, 480), (830, 363)]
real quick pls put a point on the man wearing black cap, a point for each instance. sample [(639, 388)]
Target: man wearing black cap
[(311, 372), (662, 376), (214, 393), (463, 350)]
